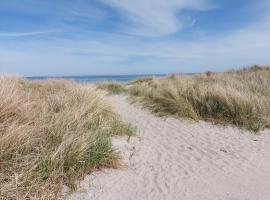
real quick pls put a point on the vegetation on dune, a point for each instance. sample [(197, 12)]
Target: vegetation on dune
[(140, 80), (112, 87), (239, 97), (52, 133)]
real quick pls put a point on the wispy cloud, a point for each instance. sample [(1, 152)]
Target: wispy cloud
[(157, 17), (89, 43), (22, 34), (112, 55)]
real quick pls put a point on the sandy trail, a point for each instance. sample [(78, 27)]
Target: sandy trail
[(172, 159)]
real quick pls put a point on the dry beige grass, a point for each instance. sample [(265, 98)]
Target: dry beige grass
[(52, 133), (112, 87), (238, 97)]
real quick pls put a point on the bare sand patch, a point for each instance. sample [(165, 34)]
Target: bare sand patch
[(178, 159)]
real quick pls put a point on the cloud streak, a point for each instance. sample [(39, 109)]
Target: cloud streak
[(157, 17), (127, 55), (97, 48), (23, 34)]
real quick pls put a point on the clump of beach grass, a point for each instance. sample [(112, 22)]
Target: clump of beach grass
[(239, 97), (112, 87), (121, 128), (53, 133)]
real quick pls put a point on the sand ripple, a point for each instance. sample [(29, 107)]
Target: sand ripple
[(172, 159)]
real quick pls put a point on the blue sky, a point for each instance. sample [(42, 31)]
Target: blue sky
[(93, 37)]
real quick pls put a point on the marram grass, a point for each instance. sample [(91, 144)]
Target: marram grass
[(112, 87), (238, 97), (52, 133)]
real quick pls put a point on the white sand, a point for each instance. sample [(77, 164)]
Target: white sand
[(172, 159)]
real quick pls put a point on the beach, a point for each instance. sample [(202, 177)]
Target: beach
[(203, 136), (181, 159), (134, 100)]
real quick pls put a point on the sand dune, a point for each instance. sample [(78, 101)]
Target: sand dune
[(177, 159)]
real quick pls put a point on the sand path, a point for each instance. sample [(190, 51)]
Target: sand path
[(174, 159)]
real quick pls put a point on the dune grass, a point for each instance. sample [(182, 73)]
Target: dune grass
[(53, 133), (239, 97), (112, 87)]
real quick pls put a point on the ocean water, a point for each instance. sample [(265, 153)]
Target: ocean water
[(94, 79)]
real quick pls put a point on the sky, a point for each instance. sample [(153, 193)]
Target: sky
[(117, 37)]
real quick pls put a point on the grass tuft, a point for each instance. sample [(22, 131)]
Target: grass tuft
[(112, 87), (53, 133), (121, 128), (239, 97)]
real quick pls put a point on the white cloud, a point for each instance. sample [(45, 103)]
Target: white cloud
[(110, 53), (156, 17), (21, 34)]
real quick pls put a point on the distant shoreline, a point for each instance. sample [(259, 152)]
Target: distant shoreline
[(96, 78), (99, 78)]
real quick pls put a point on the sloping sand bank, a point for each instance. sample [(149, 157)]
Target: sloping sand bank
[(172, 159)]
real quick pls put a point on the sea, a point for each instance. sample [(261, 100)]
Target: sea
[(95, 79)]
